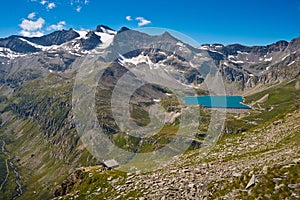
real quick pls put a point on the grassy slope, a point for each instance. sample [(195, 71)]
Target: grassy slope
[(36, 117), (282, 98), (36, 133), (26, 136)]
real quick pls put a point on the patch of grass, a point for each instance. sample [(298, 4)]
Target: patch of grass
[(282, 99), (139, 115), (100, 185)]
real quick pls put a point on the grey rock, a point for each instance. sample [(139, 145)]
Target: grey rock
[(294, 186), (275, 180), (279, 186), (251, 182), (236, 174), (277, 122), (265, 169)]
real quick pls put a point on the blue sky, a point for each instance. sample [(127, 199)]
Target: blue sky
[(255, 22)]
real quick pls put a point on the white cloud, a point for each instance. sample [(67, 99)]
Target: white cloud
[(30, 25), (51, 6), (31, 15), (128, 18), (78, 9), (142, 21), (86, 2), (32, 33), (43, 2), (60, 25), (31, 28)]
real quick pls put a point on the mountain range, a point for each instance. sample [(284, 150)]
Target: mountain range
[(43, 157), (244, 65)]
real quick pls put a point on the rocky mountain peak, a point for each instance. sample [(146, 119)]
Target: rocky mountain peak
[(123, 29), (55, 38), (167, 35), (15, 44), (294, 45), (91, 41), (104, 29)]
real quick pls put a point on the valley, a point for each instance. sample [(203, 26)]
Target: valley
[(65, 96)]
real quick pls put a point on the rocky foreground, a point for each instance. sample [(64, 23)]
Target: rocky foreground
[(260, 164)]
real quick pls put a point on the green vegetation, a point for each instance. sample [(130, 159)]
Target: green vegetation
[(100, 185), (281, 99), (38, 130)]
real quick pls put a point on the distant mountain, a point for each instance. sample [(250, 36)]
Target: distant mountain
[(245, 65), (14, 45)]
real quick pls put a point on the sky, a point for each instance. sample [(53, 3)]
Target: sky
[(255, 22)]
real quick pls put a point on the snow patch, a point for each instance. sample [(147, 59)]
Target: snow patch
[(291, 63), (215, 52), (240, 52), (82, 34), (180, 44), (8, 53), (218, 47), (204, 47), (43, 48), (268, 59), (106, 39), (141, 59), (226, 64), (285, 57), (237, 62), (162, 53), (230, 57), (107, 31)]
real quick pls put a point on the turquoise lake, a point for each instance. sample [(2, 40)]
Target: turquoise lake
[(217, 101)]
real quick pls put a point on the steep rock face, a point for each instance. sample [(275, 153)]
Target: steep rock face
[(123, 29), (104, 29), (294, 45), (55, 38), (72, 181), (288, 69), (233, 75), (249, 66), (91, 42), (17, 45)]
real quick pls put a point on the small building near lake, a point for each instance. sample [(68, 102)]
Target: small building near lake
[(111, 164)]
